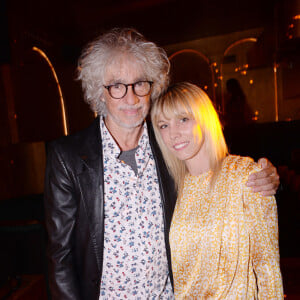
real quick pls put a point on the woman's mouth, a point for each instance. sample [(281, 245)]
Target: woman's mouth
[(180, 146)]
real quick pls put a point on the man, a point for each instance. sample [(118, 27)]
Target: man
[(108, 195)]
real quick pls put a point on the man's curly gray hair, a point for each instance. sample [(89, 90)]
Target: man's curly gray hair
[(96, 57)]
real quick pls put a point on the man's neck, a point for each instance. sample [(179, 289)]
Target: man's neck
[(126, 138)]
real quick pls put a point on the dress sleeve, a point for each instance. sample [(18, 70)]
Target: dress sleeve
[(60, 211), (261, 215)]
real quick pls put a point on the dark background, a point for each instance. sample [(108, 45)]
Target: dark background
[(30, 113)]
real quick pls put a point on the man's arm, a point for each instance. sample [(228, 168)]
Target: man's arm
[(266, 181), (60, 210)]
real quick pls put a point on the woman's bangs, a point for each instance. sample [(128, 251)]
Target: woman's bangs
[(176, 106)]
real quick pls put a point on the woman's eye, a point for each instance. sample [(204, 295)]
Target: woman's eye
[(185, 119), (163, 126)]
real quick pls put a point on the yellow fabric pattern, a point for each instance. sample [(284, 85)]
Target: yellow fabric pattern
[(224, 243)]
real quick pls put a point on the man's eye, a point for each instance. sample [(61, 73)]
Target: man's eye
[(117, 86), (139, 83)]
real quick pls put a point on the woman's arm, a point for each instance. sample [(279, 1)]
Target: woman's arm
[(261, 215)]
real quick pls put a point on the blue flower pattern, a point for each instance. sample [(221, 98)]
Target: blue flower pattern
[(134, 261)]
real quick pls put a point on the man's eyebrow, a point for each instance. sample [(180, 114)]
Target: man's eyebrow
[(141, 79), (115, 81)]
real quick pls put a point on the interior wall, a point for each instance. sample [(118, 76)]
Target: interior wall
[(257, 79)]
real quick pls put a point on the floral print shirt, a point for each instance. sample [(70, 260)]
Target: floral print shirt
[(134, 261)]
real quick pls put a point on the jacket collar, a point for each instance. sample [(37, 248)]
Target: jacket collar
[(91, 148)]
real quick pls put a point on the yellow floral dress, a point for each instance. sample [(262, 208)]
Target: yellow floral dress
[(224, 243)]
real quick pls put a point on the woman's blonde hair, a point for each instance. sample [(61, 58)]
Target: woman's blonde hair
[(195, 103)]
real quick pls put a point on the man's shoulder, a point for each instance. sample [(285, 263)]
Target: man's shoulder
[(78, 140)]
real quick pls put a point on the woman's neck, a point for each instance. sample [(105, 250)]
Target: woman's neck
[(199, 164)]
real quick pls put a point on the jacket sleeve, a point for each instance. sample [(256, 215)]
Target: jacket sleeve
[(261, 215), (60, 211)]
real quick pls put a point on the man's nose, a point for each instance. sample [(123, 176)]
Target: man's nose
[(131, 97)]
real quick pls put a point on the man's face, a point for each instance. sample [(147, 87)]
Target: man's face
[(131, 110)]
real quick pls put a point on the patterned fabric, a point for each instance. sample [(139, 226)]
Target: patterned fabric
[(224, 243), (135, 261)]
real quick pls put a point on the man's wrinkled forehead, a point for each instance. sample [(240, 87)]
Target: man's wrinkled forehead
[(124, 69)]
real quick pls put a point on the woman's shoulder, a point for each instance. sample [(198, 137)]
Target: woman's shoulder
[(239, 167), (237, 170), (237, 163)]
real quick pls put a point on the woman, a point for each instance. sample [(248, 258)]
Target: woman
[(223, 237)]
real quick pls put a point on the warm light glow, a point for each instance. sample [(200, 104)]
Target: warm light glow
[(239, 42), (246, 66), (214, 64), (208, 115), (62, 103), (189, 51), (275, 91), (291, 26), (251, 81), (236, 69), (255, 117), (297, 17), (215, 85), (205, 87), (217, 70), (244, 72)]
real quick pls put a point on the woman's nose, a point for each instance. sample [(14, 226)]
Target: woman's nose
[(174, 132)]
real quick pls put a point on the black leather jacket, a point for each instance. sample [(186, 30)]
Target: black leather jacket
[(74, 195)]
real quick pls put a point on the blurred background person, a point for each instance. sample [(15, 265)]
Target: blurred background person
[(237, 110)]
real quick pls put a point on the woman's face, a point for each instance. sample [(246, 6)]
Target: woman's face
[(182, 136)]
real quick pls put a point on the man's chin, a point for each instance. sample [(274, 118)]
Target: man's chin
[(132, 125), (126, 123)]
